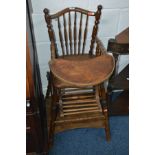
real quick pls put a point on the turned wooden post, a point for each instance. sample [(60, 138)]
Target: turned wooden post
[(85, 34), (98, 53), (61, 37), (70, 32), (107, 128), (54, 51), (75, 31), (95, 28)]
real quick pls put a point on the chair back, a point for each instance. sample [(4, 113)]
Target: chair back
[(69, 32)]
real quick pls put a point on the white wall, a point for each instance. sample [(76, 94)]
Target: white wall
[(115, 18)]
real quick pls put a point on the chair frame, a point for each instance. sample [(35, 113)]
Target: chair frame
[(56, 93)]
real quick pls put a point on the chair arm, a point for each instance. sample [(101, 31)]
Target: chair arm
[(100, 49)]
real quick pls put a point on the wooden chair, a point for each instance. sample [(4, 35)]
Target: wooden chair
[(76, 77), (119, 81)]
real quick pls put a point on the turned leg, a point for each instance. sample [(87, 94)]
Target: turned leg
[(102, 92), (107, 128), (51, 127), (105, 113), (54, 99), (108, 101)]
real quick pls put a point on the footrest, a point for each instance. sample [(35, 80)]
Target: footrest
[(78, 101)]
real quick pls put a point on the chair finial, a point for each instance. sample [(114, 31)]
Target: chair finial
[(99, 7), (46, 11)]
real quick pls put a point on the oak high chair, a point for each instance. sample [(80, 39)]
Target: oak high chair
[(76, 76)]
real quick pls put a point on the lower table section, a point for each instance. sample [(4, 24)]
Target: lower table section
[(74, 109), (80, 121), (77, 110)]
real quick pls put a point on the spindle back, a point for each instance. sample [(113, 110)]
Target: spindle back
[(72, 34)]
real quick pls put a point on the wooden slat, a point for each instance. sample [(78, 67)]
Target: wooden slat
[(61, 37), (80, 105), (85, 35), (80, 101), (77, 94), (79, 109), (80, 31), (78, 89), (61, 107), (70, 34), (65, 34), (78, 119), (75, 16), (78, 97), (80, 112)]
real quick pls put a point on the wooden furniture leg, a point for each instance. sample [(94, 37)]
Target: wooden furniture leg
[(51, 130), (53, 107), (108, 100), (102, 92), (105, 113), (107, 128)]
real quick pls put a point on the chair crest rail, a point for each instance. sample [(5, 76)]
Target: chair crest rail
[(76, 9)]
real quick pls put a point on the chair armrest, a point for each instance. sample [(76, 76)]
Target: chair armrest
[(100, 49)]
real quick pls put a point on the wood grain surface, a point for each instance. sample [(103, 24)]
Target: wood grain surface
[(83, 73)]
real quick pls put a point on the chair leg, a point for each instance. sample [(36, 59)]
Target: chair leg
[(54, 99), (108, 101), (97, 94), (51, 135), (107, 128), (102, 92), (51, 127), (105, 113)]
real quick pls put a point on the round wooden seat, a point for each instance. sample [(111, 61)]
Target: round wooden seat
[(83, 73)]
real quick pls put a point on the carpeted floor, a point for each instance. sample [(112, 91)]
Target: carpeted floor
[(92, 141)]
